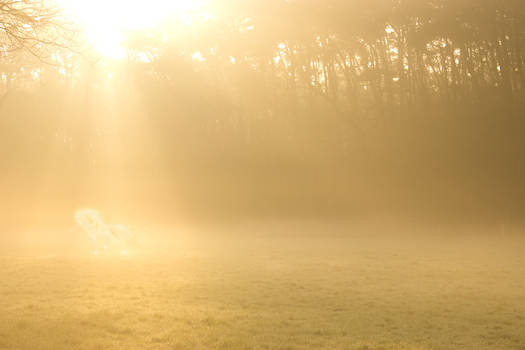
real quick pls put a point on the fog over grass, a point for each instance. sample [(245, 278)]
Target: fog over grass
[(262, 174), (278, 287)]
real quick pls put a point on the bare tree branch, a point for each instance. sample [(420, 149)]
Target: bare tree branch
[(35, 27)]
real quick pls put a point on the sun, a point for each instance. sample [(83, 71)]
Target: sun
[(104, 22)]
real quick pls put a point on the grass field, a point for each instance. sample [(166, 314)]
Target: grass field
[(272, 292)]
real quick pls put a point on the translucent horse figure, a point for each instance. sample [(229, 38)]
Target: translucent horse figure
[(106, 238)]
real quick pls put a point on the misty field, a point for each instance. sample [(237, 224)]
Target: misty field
[(280, 291)]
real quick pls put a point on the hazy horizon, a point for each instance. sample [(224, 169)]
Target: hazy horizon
[(262, 174)]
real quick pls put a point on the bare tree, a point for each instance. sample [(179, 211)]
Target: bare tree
[(33, 26), (33, 33)]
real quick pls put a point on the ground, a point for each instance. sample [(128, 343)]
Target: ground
[(272, 292)]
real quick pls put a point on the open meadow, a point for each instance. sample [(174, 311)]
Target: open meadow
[(262, 175), (271, 290)]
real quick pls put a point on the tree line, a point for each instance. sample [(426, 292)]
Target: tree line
[(377, 103)]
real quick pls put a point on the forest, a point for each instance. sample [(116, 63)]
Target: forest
[(270, 108)]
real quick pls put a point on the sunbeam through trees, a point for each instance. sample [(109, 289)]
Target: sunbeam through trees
[(328, 155)]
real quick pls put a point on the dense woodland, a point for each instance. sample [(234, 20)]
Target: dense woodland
[(343, 108)]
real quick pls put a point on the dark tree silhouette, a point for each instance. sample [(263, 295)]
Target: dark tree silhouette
[(393, 101)]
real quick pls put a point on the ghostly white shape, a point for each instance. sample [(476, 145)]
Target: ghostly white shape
[(106, 238)]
